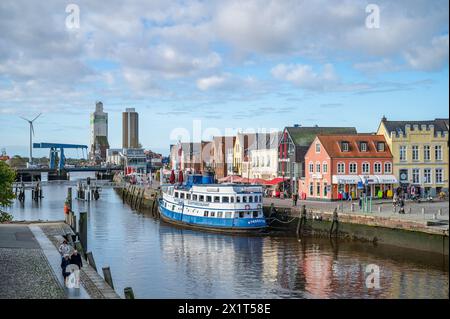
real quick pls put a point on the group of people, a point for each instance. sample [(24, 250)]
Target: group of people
[(69, 256)]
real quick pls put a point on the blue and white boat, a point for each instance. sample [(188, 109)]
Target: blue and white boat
[(202, 204)]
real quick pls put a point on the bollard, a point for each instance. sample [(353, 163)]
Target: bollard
[(128, 292), (434, 216), (352, 207), (108, 276), (90, 259), (423, 210), (379, 209), (82, 230), (440, 212), (409, 210)]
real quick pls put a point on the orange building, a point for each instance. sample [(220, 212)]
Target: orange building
[(339, 166)]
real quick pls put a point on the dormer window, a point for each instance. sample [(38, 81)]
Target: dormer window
[(344, 146), (363, 146), (380, 146), (317, 147)]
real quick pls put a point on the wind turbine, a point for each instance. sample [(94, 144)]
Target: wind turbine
[(31, 135)]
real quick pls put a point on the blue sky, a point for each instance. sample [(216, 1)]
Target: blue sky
[(231, 64)]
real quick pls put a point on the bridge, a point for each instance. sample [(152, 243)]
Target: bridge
[(58, 147)]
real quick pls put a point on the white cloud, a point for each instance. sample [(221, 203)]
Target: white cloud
[(210, 82), (305, 77), (429, 58)]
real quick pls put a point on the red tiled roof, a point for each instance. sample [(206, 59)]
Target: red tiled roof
[(332, 144)]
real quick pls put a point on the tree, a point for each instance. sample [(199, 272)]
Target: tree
[(7, 178)]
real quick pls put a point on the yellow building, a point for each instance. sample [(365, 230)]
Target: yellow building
[(420, 151)]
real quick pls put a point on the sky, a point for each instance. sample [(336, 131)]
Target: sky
[(227, 65)]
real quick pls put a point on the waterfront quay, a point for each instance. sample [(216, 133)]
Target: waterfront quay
[(30, 264), (424, 226), (159, 260)]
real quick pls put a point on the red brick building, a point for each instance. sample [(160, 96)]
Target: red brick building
[(338, 166)]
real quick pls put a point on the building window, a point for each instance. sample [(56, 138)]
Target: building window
[(380, 146), (403, 153), (325, 190), (388, 168), (317, 147), (318, 189), (341, 168), (317, 167), (415, 153), (311, 167), (363, 146), (377, 168), (344, 146), (439, 176), (426, 153), (311, 189), (325, 167), (352, 168), (416, 176), (427, 176), (366, 168), (438, 152)]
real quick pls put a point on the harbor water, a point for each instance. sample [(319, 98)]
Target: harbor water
[(162, 261)]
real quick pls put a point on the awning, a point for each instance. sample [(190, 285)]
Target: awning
[(387, 179), (346, 179), (369, 179)]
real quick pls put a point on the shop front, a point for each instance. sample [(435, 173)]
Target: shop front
[(356, 186)]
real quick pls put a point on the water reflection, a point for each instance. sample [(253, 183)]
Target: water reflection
[(162, 261)]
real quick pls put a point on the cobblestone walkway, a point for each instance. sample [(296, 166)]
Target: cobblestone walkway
[(24, 269)]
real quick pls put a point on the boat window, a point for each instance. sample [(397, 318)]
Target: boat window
[(206, 213), (182, 195), (255, 214), (238, 199), (241, 214), (232, 199), (194, 197), (213, 214), (188, 196), (176, 194), (173, 207), (202, 198), (208, 199), (228, 215), (250, 199), (219, 214), (216, 199), (244, 199), (225, 199)]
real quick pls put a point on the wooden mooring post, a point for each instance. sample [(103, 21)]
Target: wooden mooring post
[(82, 230), (128, 292), (90, 259), (108, 277)]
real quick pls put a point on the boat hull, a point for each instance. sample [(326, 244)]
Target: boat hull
[(233, 225)]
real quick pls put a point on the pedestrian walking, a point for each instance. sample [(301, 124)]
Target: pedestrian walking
[(64, 248), (64, 263), (294, 199), (75, 259), (402, 206)]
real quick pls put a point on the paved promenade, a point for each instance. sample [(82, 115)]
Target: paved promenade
[(24, 269), (381, 208)]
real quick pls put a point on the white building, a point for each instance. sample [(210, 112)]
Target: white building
[(99, 133), (264, 159)]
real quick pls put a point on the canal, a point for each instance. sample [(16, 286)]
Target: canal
[(162, 261)]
